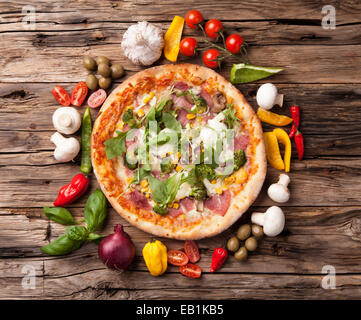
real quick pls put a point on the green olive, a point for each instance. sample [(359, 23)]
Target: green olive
[(91, 82), (241, 254), (105, 83), (104, 70), (101, 59), (257, 231), (233, 244), (251, 244), (89, 63), (117, 70), (244, 232)]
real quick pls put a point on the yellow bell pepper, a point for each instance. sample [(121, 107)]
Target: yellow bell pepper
[(155, 257), (172, 39), (273, 118), (273, 151), (283, 137)]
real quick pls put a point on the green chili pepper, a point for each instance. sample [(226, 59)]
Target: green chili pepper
[(244, 73), (86, 130)]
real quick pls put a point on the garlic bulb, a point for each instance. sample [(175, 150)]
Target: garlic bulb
[(66, 120), (143, 43)]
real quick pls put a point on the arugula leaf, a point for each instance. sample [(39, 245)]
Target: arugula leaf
[(141, 173), (171, 122), (230, 116), (115, 147)]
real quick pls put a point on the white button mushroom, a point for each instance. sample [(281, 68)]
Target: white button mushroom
[(267, 96), (66, 120), (279, 192), (143, 43), (273, 221), (66, 148)]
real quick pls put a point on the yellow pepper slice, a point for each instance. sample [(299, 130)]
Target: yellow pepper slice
[(155, 257), (273, 151), (273, 118), (283, 137), (172, 39)]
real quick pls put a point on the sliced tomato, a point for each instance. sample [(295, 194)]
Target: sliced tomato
[(191, 250), (79, 93), (177, 258), (191, 270), (97, 98), (61, 96)]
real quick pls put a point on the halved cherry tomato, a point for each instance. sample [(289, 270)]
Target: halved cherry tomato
[(188, 46), (210, 58), (213, 27), (177, 258), (193, 18), (97, 98), (234, 43), (61, 96), (79, 93), (191, 250), (191, 270)]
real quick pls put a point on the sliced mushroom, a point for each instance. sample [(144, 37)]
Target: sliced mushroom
[(220, 102)]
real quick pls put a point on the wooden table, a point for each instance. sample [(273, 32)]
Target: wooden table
[(322, 73)]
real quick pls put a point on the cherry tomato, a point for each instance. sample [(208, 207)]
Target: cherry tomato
[(191, 270), (193, 18), (234, 43), (213, 27), (61, 96), (188, 47), (191, 250), (79, 93), (97, 98), (209, 58), (177, 258)]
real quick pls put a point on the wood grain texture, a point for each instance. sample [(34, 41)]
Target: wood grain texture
[(323, 224)]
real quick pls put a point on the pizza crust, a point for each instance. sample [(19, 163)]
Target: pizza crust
[(239, 203)]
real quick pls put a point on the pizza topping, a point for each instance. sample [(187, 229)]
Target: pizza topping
[(180, 85), (143, 43), (219, 203), (207, 97), (181, 101), (139, 200), (219, 101), (241, 142)]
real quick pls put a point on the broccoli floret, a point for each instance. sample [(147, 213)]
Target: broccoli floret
[(198, 191), (160, 209), (128, 115), (205, 171), (200, 104), (239, 159), (166, 166)]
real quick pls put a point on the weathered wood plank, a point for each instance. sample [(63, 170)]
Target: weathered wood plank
[(76, 11), (29, 107), (314, 237), (23, 186)]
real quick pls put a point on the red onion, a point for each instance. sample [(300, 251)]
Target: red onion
[(117, 250)]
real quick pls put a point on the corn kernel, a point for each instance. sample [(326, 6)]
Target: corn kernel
[(179, 154), (144, 183), (120, 125), (170, 152), (219, 190), (178, 168), (229, 180), (144, 190), (129, 180), (140, 113), (176, 205), (242, 176), (225, 187), (147, 195), (190, 116), (199, 119), (213, 181), (170, 205), (182, 216), (129, 108), (149, 97)]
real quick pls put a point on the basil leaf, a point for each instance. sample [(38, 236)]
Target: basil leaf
[(115, 147), (171, 122), (159, 189), (95, 210), (59, 215), (61, 245), (77, 233), (95, 237)]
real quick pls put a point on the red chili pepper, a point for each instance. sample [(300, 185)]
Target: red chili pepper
[(72, 191), (295, 112), (219, 256), (299, 144)]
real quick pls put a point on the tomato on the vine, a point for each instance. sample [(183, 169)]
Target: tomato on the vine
[(193, 18), (234, 43), (210, 58), (213, 28), (188, 46)]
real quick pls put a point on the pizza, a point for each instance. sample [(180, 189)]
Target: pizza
[(178, 151)]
